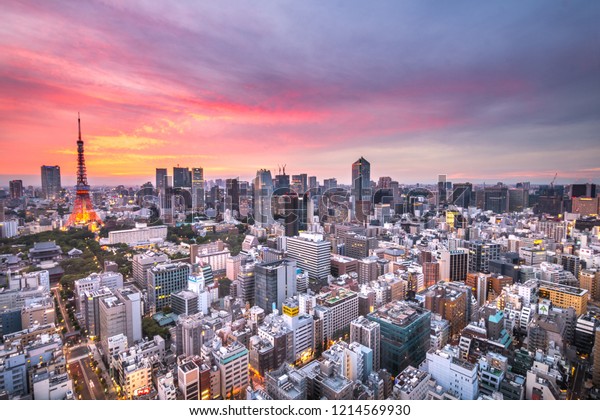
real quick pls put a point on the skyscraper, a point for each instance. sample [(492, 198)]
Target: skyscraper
[(197, 188), (496, 198), (182, 178), (263, 192), (442, 191), (461, 195), (51, 181), (161, 174), (232, 198), (16, 188), (361, 189)]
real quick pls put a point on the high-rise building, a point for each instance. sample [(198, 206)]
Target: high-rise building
[(361, 189), (299, 183), (190, 335), (585, 334), (461, 195), (442, 191), (311, 253), (144, 262), (197, 188), (113, 319), (247, 283), (405, 330), (367, 333), (480, 255), (518, 199), (452, 303), (232, 362), (329, 184), (51, 181), (164, 279), (232, 197), (303, 328), (454, 264), (16, 188), (583, 190), (263, 192), (496, 199), (335, 310), (131, 299), (585, 206), (161, 174), (275, 282), (182, 178), (289, 208), (184, 302)]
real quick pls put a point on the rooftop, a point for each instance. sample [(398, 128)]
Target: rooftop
[(398, 313)]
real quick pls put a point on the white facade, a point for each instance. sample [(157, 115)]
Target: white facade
[(166, 388), (454, 375), (9, 228), (138, 235), (311, 254)]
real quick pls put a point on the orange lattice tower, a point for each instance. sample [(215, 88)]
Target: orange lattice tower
[(83, 213)]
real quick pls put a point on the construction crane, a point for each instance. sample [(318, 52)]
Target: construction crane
[(553, 179), (551, 190)]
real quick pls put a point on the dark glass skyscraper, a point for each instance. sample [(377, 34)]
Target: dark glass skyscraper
[(361, 189), (461, 195), (232, 199), (161, 174), (182, 178), (51, 181), (361, 180)]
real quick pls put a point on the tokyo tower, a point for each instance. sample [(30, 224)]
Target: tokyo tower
[(83, 213)]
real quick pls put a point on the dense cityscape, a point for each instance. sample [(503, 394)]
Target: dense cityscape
[(239, 205), (284, 287)]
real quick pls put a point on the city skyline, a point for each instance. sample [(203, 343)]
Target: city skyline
[(480, 92)]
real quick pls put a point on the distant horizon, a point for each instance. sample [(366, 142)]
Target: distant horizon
[(4, 181)]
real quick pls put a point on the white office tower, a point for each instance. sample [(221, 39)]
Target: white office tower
[(311, 254)]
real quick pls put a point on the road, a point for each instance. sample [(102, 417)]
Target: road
[(63, 309), (76, 374)]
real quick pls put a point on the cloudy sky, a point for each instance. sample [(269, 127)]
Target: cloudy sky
[(481, 91)]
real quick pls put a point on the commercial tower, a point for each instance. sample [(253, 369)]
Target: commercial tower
[(83, 213), (312, 254), (361, 189), (197, 188), (263, 192), (51, 181)]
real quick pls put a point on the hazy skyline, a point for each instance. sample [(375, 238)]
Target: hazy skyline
[(480, 91)]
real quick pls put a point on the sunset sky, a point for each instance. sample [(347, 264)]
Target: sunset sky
[(481, 91)]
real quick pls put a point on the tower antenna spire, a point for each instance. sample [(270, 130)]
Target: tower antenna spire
[(79, 125)]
